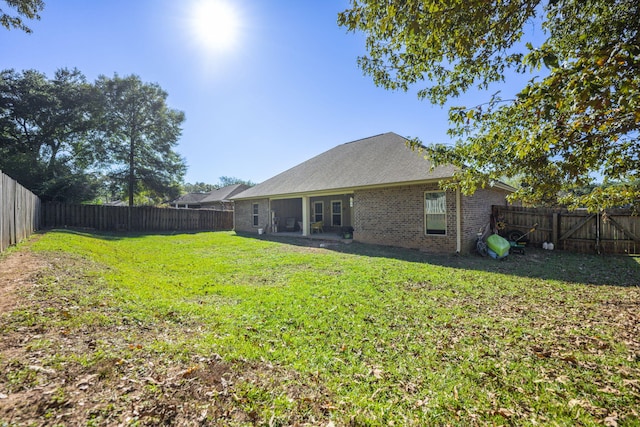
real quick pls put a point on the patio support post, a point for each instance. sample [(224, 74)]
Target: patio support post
[(305, 215)]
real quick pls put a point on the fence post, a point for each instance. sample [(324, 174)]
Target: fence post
[(554, 229)]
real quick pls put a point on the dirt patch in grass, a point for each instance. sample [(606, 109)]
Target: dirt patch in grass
[(54, 371), (19, 269)]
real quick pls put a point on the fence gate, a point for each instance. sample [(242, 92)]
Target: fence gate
[(615, 231)]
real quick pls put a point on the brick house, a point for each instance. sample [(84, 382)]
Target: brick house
[(380, 187)]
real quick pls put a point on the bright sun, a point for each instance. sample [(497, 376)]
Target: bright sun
[(214, 24)]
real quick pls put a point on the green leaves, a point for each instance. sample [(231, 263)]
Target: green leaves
[(25, 9), (46, 127), (550, 60), (419, 41), (58, 135), (578, 121)]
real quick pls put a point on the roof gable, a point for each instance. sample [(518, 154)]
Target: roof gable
[(378, 160)]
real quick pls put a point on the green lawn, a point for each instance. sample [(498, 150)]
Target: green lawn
[(235, 330)]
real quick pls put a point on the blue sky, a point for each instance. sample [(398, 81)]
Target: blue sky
[(288, 90)]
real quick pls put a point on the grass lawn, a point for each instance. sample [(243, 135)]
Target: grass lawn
[(220, 329)]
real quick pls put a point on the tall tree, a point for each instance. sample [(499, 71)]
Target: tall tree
[(25, 9), (45, 132), (231, 180), (141, 132), (197, 187), (580, 118)]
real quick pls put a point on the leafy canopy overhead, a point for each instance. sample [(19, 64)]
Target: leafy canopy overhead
[(25, 8), (69, 140), (225, 181), (46, 131), (579, 119)]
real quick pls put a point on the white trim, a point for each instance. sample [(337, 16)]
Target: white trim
[(314, 213), (305, 215), (255, 215), (424, 212), (350, 190), (336, 191)]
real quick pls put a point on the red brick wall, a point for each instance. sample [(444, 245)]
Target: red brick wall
[(395, 216), (476, 213)]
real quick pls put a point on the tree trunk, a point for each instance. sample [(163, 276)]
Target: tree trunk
[(131, 171)]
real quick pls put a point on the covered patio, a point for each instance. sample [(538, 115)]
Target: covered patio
[(328, 215)]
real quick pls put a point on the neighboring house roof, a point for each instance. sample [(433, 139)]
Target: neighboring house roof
[(190, 198), (378, 160), (223, 194)]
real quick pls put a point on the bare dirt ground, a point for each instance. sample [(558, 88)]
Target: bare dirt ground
[(92, 375), (17, 272)]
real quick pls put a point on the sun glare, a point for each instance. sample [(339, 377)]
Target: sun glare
[(214, 25)]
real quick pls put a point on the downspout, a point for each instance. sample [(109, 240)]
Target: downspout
[(458, 221)]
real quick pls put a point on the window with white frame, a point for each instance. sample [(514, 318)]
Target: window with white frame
[(336, 213), (435, 210), (256, 219), (318, 211)]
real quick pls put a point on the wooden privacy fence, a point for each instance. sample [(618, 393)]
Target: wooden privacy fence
[(613, 231), (19, 212), (135, 219)]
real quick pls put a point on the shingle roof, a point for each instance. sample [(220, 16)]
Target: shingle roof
[(377, 160), (189, 198), (224, 193)]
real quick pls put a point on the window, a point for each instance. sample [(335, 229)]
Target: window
[(318, 211), (255, 215), (336, 213), (435, 209)]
